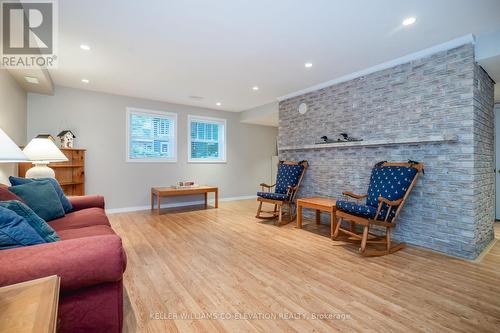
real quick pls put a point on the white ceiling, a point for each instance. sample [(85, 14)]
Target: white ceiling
[(169, 50)]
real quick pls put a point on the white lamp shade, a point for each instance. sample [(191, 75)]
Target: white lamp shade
[(43, 150), (9, 151)]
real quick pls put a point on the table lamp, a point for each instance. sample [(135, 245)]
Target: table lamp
[(41, 151), (9, 151)]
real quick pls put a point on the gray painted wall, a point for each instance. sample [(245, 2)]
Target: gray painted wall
[(98, 120), (451, 208), (12, 117)]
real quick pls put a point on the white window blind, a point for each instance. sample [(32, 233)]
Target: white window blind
[(151, 136), (207, 139)]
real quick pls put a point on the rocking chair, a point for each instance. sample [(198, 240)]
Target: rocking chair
[(288, 181), (390, 186)]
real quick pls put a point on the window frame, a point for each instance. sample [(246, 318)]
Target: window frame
[(134, 110), (220, 121)]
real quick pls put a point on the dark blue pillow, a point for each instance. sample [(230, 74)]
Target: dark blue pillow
[(15, 231), (64, 201), (36, 222), (41, 197)]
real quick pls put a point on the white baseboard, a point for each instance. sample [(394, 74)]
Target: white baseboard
[(172, 205)]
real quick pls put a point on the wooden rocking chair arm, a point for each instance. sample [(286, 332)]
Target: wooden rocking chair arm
[(389, 202), (355, 196), (266, 185)]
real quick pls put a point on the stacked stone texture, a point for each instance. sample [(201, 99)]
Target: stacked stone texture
[(447, 93)]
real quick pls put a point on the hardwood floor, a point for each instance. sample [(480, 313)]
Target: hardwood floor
[(226, 262)]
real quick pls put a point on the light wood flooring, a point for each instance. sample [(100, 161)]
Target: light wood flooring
[(224, 262)]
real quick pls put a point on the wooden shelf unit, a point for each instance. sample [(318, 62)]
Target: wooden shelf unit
[(70, 174)]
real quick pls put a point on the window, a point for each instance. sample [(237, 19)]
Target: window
[(151, 136), (206, 139)]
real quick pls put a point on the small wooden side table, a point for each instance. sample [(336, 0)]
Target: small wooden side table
[(160, 192), (319, 204), (30, 306)]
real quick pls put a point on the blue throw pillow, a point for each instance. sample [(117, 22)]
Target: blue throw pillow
[(15, 231), (41, 197), (64, 201), (36, 222)]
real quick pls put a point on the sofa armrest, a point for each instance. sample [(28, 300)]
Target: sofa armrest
[(80, 262), (86, 201)]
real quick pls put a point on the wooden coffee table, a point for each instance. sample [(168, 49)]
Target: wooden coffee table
[(30, 306), (320, 204), (160, 192)]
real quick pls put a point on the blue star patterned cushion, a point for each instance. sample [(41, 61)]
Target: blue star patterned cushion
[(288, 175), (272, 196), (390, 182), (364, 210)]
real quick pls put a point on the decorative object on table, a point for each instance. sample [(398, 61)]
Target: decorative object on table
[(302, 108), (9, 151), (188, 184), (70, 175), (344, 137), (41, 151), (288, 181), (66, 138), (390, 186)]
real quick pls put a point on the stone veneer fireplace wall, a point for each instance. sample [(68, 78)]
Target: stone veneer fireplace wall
[(445, 98)]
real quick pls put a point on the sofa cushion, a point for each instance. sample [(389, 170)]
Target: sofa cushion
[(42, 198), (5, 194), (15, 231), (95, 230), (80, 219), (390, 182), (35, 221), (64, 200), (272, 196)]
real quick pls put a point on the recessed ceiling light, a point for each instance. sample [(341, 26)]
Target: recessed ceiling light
[(32, 80), (409, 21), (255, 88), (218, 103), (85, 81), (308, 65), (85, 47)]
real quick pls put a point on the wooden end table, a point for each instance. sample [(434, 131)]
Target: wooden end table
[(320, 204), (30, 306), (160, 192)]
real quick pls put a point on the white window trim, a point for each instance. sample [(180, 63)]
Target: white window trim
[(215, 120), (134, 110)]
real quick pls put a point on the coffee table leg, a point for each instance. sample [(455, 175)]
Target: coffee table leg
[(217, 199), (333, 221), (299, 216), (206, 200), (158, 197), (318, 216), (152, 200)]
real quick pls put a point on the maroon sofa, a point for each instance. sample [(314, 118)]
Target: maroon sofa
[(90, 261)]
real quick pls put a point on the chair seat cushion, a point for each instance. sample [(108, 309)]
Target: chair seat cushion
[(363, 210), (272, 196)]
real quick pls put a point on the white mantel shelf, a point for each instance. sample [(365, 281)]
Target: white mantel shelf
[(371, 143)]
